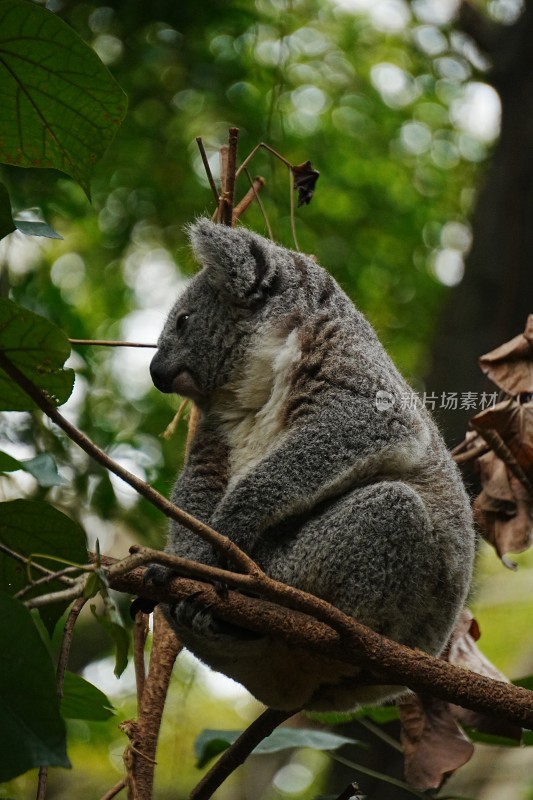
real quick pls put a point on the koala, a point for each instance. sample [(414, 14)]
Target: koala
[(308, 458)]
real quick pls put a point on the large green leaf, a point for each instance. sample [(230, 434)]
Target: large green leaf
[(31, 526), (39, 349), (82, 700), (32, 732), (60, 105), (212, 742)]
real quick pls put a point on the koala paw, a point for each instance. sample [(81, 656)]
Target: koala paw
[(158, 575), (201, 622)]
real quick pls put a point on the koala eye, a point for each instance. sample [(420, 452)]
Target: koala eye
[(181, 321)]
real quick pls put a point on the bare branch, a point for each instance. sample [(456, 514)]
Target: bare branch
[(470, 455), (326, 630), (116, 789), (207, 168), (221, 543), (251, 195), (140, 755), (64, 596), (60, 677), (238, 752), (109, 343)]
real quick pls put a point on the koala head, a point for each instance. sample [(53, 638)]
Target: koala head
[(208, 329)]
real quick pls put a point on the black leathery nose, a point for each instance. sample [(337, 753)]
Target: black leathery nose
[(161, 376)]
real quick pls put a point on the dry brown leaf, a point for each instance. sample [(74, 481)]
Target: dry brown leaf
[(305, 178), (508, 430), (510, 366), (503, 510), (434, 744)]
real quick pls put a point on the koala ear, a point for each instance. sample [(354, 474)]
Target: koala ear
[(239, 262)]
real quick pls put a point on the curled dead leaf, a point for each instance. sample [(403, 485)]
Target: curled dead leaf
[(503, 510), (510, 366), (434, 744), (305, 178), (508, 429)]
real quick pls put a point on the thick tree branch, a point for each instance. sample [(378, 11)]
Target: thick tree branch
[(140, 757), (340, 637)]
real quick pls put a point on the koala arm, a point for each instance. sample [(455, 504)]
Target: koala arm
[(320, 458), (198, 491)]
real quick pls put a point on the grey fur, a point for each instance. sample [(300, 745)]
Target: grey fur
[(295, 462)]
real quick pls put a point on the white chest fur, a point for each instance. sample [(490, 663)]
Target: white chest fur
[(250, 410)]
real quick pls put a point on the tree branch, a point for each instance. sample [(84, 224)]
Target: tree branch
[(339, 637), (238, 752), (221, 543), (141, 753)]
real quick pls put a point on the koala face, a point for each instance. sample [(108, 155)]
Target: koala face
[(208, 329)]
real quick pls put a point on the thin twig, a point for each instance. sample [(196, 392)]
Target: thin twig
[(264, 146), (116, 789), (60, 678), (223, 155), (205, 161), (221, 543), (251, 195), (470, 455), (380, 776), (261, 208), (238, 752), (64, 596), (24, 559), (293, 218), (61, 575), (226, 217), (108, 343)]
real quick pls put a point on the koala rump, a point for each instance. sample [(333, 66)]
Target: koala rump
[(298, 462)]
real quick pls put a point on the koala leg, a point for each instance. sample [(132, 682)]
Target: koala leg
[(373, 553), (376, 554)]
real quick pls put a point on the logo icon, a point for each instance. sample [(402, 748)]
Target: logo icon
[(384, 400)]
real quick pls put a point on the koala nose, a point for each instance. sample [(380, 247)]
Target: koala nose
[(161, 375)]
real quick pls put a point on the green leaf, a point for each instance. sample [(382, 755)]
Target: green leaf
[(525, 683), (39, 349), (32, 732), (378, 714), (8, 463), (110, 620), (32, 526), (31, 228), (60, 105), (212, 742), (42, 467), (82, 700), (44, 470), (7, 225), (490, 738)]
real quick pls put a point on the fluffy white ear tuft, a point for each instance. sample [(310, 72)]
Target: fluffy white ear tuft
[(239, 262)]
